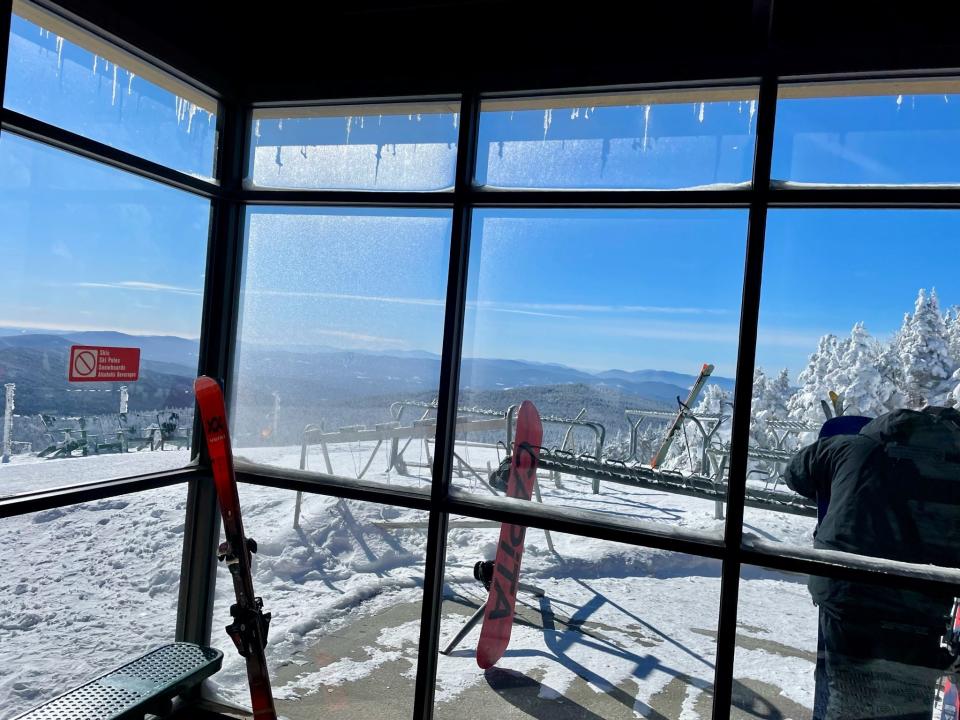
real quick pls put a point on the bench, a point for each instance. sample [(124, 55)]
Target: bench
[(147, 684)]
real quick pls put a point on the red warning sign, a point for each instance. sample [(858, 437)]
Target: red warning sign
[(103, 364)]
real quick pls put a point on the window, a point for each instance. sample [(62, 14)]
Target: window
[(602, 319), (868, 133), (655, 140), (602, 630), (69, 615), (400, 146), (99, 258), (342, 320), (68, 77), (344, 591)]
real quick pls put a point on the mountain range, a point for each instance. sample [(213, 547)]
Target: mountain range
[(37, 363)]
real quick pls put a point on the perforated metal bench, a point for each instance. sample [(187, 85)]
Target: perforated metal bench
[(147, 684)]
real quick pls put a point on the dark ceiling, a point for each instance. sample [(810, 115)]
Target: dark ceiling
[(356, 48)]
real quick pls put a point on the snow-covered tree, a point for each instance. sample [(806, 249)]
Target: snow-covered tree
[(815, 381), (951, 321), (770, 397), (859, 382), (924, 353)]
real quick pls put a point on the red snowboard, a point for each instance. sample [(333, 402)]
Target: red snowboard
[(498, 618)]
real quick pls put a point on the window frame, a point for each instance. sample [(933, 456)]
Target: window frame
[(229, 199)]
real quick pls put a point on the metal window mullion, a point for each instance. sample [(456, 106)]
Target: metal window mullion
[(455, 309), (6, 13), (220, 301), (17, 505), (71, 142), (743, 397)]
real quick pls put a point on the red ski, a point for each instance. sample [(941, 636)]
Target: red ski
[(946, 704), (498, 616), (249, 627)]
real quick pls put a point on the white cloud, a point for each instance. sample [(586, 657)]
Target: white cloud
[(138, 285), (65, 326)]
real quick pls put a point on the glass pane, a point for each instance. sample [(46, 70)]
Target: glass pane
[(86, 588), (409, 146), (344, 589), (653, 140), (854, 323), (864, 651), (68, 77), (618, 632), (602, 319), (876, 133), (95, 257), (342, 318)]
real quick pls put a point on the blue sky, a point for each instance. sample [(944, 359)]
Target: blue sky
[(87, 247)]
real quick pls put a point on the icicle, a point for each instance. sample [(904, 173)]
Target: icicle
[(419, 117), (456, 119), (96, 58), (740, 107), (913, 102), (379, 156), (193, 111), (946, 100), (380, 120), (575, 113), (753, 111), (410, 116), (280, 124), (59, 53), (646, 125), (700, 116), (256, 129), (113, 96), (349, 125), (303, 151), (547, 120), (277, 158), (130, 77), (361, 121), (899, 101)]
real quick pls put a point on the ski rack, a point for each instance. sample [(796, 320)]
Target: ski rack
[(393, 432), (706, 423), (700, 486)]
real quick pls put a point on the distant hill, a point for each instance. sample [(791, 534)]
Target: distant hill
[(312, 381)]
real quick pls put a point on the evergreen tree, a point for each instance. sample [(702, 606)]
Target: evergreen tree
[(859, 382), (951, 321), (815, 382), (924, 353), (769, 403)]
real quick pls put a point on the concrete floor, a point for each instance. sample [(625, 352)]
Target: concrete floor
[(503, 694)]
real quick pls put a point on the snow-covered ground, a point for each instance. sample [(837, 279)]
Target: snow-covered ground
[(86, 586)]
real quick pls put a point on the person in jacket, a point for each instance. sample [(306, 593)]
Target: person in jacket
[(890, 491)]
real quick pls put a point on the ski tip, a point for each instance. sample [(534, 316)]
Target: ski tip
[(204, 383)]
